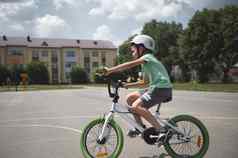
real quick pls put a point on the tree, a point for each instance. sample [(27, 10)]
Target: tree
[(125, 56), (78, 75), (165, 35), (210, 40), (204, 40), (184, 50), (228, 56), (38, 73)]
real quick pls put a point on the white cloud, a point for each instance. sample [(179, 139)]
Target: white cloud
[(103, 32), (50, 25), (13, 8), (138, 9), (118, 42), (60, 3), (136, 31)]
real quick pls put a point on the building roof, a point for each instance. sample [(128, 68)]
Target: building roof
[(55, 43)]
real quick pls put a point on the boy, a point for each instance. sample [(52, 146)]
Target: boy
[(159, 89)]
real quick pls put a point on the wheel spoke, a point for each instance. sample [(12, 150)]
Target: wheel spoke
[(186, 145), (93, 134)]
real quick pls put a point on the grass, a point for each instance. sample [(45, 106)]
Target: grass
[(38, 87), (212, 87)]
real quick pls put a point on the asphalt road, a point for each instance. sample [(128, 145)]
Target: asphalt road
[(48, 124)]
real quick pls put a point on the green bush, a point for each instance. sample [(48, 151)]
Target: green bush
[(78, 75), (4, 74), (15, 72), (99, 78), (38, 73)]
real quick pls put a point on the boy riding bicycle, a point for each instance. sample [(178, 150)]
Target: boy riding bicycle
[(159, 87)]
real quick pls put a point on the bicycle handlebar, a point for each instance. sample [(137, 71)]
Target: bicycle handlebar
[(112, 84), (115, 85)]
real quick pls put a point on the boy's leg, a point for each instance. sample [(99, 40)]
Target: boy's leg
[(132, 97), (138, 108)]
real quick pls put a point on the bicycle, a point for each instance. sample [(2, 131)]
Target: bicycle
[(185, 136)]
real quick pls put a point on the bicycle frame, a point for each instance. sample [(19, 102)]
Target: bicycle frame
[(123, 112)]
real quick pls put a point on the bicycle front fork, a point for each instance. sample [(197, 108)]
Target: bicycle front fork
[(104, 133)]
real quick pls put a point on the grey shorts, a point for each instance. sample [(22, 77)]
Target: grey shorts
[(155, 96)]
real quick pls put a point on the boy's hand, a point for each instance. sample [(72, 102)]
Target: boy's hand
[(106, 71), (103, 72), (125, 85)]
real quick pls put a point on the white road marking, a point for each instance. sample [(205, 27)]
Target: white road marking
[(44, 126), (217, 118), (97, 116), (49, 118)]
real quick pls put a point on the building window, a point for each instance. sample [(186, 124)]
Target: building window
[(103, 57), (95, 54), (15, 51), (95, 64), (54, 57), (44, 53), (54, 66), (86, 60), (35, 55), (69, 64), (70, 54), (87, 63), (86, 54), (67, 75)]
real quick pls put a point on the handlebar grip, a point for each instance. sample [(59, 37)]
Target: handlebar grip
[(109, 89)]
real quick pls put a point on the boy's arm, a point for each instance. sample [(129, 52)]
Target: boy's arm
[(140, 84), (125, 66)]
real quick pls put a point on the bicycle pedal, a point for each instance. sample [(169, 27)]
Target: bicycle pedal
[(133, 133), (161, 140)]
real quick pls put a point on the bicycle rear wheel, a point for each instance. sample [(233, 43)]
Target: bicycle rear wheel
[(112, 143), (195, 142)]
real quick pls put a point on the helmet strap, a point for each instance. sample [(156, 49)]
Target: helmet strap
[(138, 51)]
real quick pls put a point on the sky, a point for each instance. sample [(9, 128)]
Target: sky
[(113, 20)]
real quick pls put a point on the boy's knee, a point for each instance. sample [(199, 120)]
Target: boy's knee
[(130, 98), (134, 109), (137, 105)]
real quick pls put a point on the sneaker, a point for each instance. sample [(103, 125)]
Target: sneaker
[(133, 133)]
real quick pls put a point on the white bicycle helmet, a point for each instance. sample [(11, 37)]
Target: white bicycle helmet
[(146, 40)]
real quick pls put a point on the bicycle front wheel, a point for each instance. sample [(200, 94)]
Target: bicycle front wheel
[(110, 146), (195, 141)]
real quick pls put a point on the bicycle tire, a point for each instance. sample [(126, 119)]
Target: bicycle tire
[(201, 127), (115, 127)]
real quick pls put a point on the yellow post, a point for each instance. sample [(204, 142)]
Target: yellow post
[(24, 79)]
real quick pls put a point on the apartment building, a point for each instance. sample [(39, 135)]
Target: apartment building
[(59, 55)]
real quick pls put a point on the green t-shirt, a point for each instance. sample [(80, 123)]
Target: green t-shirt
[(156, 72)]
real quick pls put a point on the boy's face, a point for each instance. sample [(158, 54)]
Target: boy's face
[(134, 52), (137, 51)]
